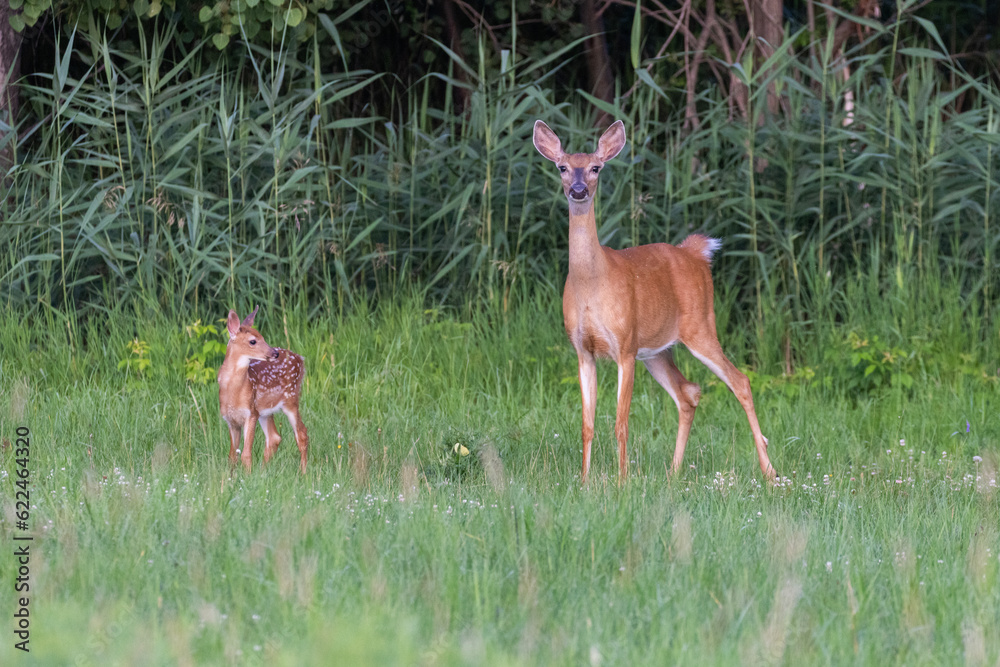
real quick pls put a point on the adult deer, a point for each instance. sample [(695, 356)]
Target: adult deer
[(256, 381), (635, 304)]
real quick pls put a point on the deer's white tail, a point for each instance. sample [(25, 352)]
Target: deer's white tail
[(705, 246)]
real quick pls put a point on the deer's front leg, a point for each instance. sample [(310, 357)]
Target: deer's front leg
[(626, 377), (234, 441), (248, 428), (588, 392)]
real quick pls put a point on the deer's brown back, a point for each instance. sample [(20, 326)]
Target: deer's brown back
[(276, 380)]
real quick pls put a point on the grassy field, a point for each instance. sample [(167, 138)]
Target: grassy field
[(879, 545)]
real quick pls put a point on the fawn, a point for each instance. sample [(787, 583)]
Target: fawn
[(635, 304), (255, 381)]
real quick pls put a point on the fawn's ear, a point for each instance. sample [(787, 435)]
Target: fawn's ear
[(248, 320), (233, 324), (546, 141), (611, 142)]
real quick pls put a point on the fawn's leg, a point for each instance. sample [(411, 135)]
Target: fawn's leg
[(248, 428), (301, 434), (234, 441), (271, 436)]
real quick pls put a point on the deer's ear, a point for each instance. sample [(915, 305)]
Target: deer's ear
[(233, 324), (611, 142), (546, 141), (248, 320)]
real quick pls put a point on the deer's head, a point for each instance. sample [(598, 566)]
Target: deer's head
[(579, 171), (245, 341)]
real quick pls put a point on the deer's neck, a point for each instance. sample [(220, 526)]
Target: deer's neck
[(233, 368), (586, 258)]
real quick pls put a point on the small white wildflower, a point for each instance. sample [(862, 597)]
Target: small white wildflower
[(829, 566), (977, 459)]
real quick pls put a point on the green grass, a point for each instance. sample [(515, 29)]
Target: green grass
[(876, 547)]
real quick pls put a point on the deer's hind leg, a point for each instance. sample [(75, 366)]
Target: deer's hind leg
[(301, 433), (686, 396), (271, 436), (711, 355)]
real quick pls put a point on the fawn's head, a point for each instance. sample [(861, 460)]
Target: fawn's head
[(579, 170), (245, 341)]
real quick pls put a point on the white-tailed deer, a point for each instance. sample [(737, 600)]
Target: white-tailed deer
[(255, 381), (635, 304)]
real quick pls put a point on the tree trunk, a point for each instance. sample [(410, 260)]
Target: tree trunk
[(602, 83), (10, 66), (768, 32), (455, 43)]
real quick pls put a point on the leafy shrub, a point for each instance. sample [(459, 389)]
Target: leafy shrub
[(201, 363)]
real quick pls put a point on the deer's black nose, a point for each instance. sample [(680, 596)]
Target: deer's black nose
[(578, 191)]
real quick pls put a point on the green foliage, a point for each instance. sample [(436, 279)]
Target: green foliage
[(205, 352), (30, 12), (271, 19), (110, 14), (253, 20), (872, 365), (136, 357), (856, 368), (875, 365)]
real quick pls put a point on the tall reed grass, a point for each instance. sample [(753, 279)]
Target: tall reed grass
[(181, 182)]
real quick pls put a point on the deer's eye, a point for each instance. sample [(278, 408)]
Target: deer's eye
[(253, 341), (562, 169), (596, 169)]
